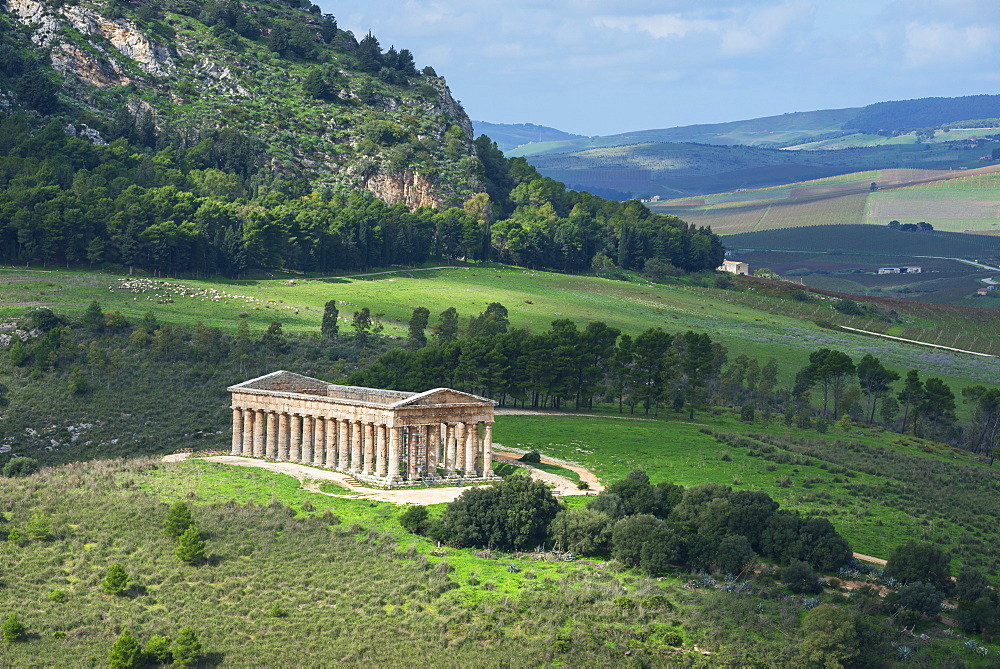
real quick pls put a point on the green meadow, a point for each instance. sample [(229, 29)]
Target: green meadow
[(879, 488)]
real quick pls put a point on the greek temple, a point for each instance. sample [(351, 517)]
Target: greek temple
[(387, 438)]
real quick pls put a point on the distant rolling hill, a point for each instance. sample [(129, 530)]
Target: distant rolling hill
[(510, 136), (930, 133), (951, 201)]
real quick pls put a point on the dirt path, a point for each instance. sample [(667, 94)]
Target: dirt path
[(312, 477), (869, 558), (391, 271), (564, 485)]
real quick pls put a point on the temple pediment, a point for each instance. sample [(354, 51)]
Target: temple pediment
[(439, 396)]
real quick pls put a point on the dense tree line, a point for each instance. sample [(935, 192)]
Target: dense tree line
[(209, 209), (652, 527)]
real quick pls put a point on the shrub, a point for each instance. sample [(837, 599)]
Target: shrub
[(414, 519), (125, 653), (276, 611), (747, 413), (12, 628), (116, 580), (531, 457), (178, 519), (186, 648), (20, 466), (920, 561), (191, 548), (515, 513), (800, 578), (158, 649), (921, 597)]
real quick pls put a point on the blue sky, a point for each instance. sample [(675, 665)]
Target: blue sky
[(599, 67)]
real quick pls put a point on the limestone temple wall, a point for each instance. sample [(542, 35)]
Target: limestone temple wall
[(388, 438)]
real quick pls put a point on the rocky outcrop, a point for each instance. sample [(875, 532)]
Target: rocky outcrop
[(408, 188), (71, 59), (124, 35), (449, 107)]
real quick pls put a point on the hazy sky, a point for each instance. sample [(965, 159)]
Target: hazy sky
[(599, 67)]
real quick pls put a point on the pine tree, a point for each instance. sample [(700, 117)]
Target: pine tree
[(191, 548), (125, 653), (329, 327), (12, 628), (116, 580), (178, 519), (158, 649), (93, 317), (186, 648), (418, 323), (18, 351), (39, 528)]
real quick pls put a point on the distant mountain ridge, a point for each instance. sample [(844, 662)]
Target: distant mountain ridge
[(509, 136), (930, 133)]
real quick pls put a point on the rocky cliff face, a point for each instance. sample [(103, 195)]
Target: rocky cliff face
[(196, 82), (412, 190), (150, 57)]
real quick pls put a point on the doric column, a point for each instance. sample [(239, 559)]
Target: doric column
[(258, 433), (271, 448), (471, 441), (460, 447), (331, 442), (369, 464), (319, 440), (412, 445), (381, 450), (237, 448), (343, 445), (305, 457), (295, 438), (356, 445), (282, 437), (449, 450), (248, 416), (392, 474), (488, 449), (433, 444)]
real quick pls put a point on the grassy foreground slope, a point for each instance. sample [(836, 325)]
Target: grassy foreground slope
[(329, 581)]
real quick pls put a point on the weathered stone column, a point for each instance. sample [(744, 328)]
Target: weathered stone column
[(488, 449), (355, 447), (331, 443), (319, 439), (258, 433), (343, 445), (282, 436), (412, 446), (305, 456), (392, 474), (433, 444), (237, 448), (460, 447), (449, 450), (270, 452), (369, 464), (248, 418), (295, 439), (471, 442), (382, 451)]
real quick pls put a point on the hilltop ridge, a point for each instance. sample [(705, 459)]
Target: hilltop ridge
[(318, 106)]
